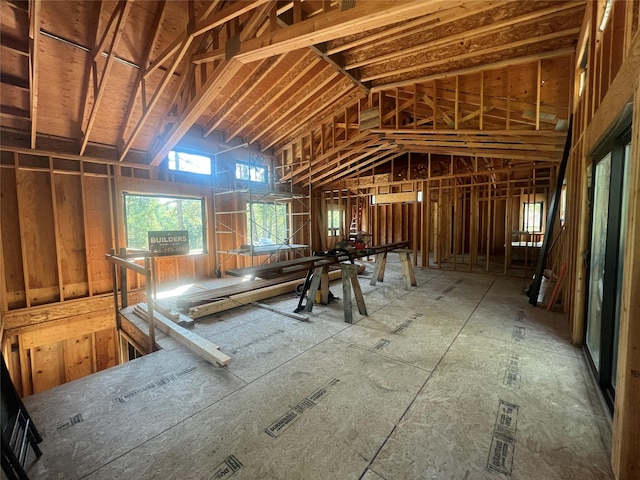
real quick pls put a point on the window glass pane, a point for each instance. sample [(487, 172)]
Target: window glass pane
[(532, 217), (144, 213), (254, 173), (598, 250), (189, 162), (334, 222), (268, 223)]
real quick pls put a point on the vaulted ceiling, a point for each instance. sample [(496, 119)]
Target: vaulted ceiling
[(342, 84)]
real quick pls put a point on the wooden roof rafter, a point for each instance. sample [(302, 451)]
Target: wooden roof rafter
[(35, 7), (121, 11), (393, 34), (176, 52), (305, 64), (361, 157), (518, 19), (286, 115), (541, 40), (333, 101), (260, 70), (140, 83)]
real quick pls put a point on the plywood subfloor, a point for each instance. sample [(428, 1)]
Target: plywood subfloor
[(458, 378)]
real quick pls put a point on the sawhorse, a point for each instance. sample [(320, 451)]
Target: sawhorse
[(408, 276), (349, 281)]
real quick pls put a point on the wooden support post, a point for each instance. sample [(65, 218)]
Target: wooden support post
[(324, 285), (349, 281), (408, 275), (149, 285), (313, 288), (123, 281), (488, 225), (378, 270)]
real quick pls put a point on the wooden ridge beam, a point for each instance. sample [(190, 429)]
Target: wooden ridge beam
[(334, 23)]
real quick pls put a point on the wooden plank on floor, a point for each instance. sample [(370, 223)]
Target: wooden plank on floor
[(204, 348)]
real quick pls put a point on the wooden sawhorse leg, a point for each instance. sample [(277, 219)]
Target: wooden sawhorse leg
[(378, 271), (320, 280), (408, 276), (349, 281)]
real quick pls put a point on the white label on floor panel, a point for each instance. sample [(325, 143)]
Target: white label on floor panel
[(403, 326), (158, 383), (381, 344), (518, 333), (63, 425), (226, 469), (310, 401), (257, 340), (512, 372), (504, 438)]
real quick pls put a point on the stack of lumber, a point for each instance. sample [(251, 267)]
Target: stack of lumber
[(204, 348), (248, 297), (188, 301)]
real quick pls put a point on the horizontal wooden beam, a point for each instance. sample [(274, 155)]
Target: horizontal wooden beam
[(333, 24)]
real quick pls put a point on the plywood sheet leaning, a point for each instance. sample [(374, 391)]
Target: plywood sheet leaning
[(204, 348)]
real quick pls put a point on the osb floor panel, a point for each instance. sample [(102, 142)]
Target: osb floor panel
[(458, 378)]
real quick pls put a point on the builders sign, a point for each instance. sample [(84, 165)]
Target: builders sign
[(169, 242)]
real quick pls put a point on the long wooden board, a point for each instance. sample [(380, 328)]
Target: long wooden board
[(248, 298), (204, 348)]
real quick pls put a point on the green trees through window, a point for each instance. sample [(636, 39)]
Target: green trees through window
[(267, 223), (144, 213)]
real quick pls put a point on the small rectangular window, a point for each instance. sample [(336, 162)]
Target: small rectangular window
[(144, 213), (252, 173), (189, 162), (532, 217), (334, 222)]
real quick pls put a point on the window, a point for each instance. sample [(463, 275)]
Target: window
[(252, 173), (144, 213), (189, 162), (334, 222), (267, 223), (532, 217)]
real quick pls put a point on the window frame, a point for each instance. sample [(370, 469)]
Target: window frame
[(525, 224), (203, 219), (252, 222), (178, 152), (334, 231), (252, 168)]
